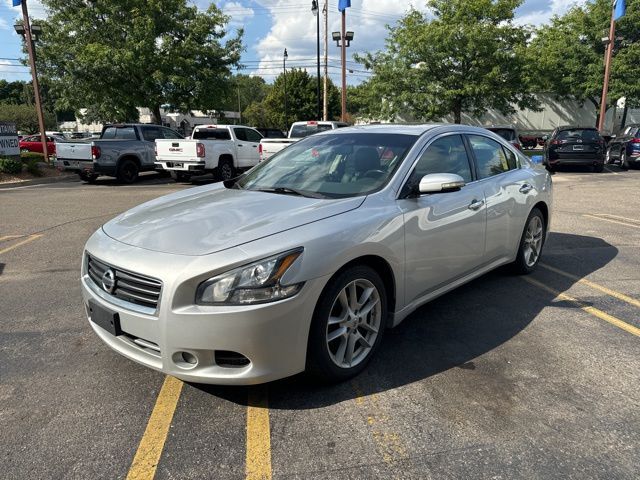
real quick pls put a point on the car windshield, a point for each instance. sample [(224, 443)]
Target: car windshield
[(301, 131), (506, 133), (331, 165)]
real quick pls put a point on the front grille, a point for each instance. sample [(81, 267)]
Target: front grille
[(128, 286)]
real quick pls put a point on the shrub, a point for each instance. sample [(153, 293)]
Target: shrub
[(33, 168), (9, 165), (28, 156)]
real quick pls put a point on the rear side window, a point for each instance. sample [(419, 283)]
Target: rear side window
[(490, 156), (211, 134), (585, 135)]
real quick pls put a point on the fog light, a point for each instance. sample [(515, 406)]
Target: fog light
[(189, 358), (185, 360)]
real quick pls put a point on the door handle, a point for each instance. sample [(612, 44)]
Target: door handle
[(476, 205), (526, 188), (240, 145)]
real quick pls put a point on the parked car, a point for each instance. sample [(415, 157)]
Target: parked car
[(529, 141), (624, 149), (304, 261), (508, 132), (570, 145), (224, 150), (298, 131), (271, 133), (122, 151), (33, 143)]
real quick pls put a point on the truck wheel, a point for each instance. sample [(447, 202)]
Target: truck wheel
[(226, 170), (88, 177), (180, 176), (127, 171)]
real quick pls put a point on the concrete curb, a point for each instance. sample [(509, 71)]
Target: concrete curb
[(40, 181)]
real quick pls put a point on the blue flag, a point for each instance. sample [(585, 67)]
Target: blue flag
[(342, 4), (619, 9), (17, 3)]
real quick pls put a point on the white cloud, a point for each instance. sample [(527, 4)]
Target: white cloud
[(3, 24), (540, 17), (239, 13)]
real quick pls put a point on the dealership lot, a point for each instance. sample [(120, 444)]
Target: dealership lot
[(505, 377)]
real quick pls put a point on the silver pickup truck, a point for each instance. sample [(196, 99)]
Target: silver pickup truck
[(122, 151)]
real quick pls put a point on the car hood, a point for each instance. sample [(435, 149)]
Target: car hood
[(205, 220)]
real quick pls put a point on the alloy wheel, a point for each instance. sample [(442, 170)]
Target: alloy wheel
[(354, 322), (226, 171), (533, 241)]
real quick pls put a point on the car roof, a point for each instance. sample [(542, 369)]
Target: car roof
[(508, 127), (575, 127), (406, 129)]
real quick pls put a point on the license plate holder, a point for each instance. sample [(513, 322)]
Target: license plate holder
[(578, 147), (106, 319)]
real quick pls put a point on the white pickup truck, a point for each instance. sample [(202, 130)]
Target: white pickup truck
[(224, 150), (298, 130)]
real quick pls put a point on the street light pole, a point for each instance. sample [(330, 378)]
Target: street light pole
[(284, 68), (34, 74), (316, 11), (325, 97), (343, 116)]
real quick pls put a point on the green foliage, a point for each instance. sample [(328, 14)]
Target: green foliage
[(10, 166), (33, 168), (16, 93), (25, 117), (250, 89), (29, 156), (302, 102), (111, 56), (569, 54), (463, 57)]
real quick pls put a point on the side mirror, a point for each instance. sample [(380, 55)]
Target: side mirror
[(440, 183)]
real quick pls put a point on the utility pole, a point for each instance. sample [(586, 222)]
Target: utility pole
[(34, 74), (284, 69), (239, 106), (607, 68), (343, 116), (315, 8), (325, 108)]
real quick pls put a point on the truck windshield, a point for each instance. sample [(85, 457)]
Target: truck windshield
[(332, 165), (211, 134), (301, 131)]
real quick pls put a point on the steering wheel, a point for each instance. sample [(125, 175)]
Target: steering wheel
[(374, 173)]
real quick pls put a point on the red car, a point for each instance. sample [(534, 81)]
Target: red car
[(34, 144)]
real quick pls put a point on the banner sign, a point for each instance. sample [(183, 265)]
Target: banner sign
[(8, 140)]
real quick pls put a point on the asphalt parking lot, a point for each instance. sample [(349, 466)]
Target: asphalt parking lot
[(506, 377)]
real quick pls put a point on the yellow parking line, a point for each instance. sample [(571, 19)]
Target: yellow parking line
[(587, 308), (258, 456), (608, 215), (146, 460), (7, 237), (584, 281), (626, 224), (31, 238)]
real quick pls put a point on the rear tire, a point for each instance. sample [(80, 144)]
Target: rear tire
[(225, 170), (624, 163), (345, 333), (128, 171), (598, 168), (531, 243), (88, 177)]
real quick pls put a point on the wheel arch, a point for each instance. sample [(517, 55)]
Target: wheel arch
[(382, 268), (226, 157), (128, 156)]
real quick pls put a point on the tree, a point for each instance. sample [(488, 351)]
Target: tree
[(301, 101), (465, 56), (569, 54), (111, 56), (25, 117), (249, 90), (16, 93)]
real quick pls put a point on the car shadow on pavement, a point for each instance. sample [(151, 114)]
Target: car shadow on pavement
[(449, 332)]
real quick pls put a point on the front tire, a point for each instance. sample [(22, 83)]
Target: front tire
[(598, 168), (531, 243), (624, 163), (348, 325)]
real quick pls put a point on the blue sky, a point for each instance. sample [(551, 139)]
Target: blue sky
[(272, 25)]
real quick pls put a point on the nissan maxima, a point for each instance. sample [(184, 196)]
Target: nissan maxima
[(303, 262)]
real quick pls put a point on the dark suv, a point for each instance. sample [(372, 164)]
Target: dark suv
[(625, 147), (574, 146)]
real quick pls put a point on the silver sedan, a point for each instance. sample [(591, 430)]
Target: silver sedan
[(303, 262)]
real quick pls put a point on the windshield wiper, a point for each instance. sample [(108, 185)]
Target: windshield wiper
[(291, 191)]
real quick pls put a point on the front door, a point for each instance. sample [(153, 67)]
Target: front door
[(444, 232)]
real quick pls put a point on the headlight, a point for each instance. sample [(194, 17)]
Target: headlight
[(258, 282)]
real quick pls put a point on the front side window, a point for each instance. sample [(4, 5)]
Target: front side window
[(151, 133), (444, 155), (332, 165), (490, 156), (241, 134), (252, 135), (171, 134)]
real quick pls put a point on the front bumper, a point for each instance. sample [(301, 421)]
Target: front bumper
[(272, 336)]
